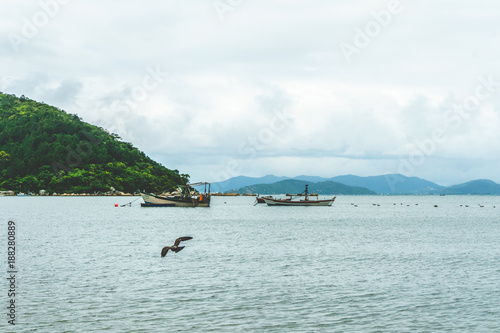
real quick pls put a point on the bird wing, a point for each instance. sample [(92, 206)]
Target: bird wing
[(177, 249), (165, 250), (181, 239)]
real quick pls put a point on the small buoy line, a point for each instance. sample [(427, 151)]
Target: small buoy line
[(378, 205), (127, 204)]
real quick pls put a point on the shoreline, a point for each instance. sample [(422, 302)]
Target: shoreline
[(235, 195), (73, 195)]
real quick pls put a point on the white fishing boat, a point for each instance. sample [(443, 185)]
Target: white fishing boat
[(185, 196)]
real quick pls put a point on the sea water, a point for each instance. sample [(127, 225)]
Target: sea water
[(366, 264)]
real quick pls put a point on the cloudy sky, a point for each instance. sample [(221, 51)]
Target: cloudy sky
[(220, 88)]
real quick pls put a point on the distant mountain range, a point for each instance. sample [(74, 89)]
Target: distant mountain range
[(294, 186), (480, 186), (241, 181), (384, 184)]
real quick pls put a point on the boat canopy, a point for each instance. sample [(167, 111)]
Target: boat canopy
[(198, 184)]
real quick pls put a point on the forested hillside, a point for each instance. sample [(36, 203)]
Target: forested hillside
[(42, 147)]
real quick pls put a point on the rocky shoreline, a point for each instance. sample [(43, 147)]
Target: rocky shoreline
[(12, 193)]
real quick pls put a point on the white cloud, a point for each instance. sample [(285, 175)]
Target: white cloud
[(224, 80)]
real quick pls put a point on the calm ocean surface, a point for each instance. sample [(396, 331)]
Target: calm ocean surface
[(404, 266)]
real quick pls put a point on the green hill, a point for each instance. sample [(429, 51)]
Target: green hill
[(294, 186), (43, 147)]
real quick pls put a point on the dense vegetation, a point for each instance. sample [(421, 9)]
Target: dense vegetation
[(42, 147)]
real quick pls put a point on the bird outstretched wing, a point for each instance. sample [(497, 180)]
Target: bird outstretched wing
[(181, 239), (165, 250)]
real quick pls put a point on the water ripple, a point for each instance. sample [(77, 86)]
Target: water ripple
[(88, 266)]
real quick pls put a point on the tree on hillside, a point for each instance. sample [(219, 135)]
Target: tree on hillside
[(42, 147)]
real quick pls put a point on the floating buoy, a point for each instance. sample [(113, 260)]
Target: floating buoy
[(116, 205)]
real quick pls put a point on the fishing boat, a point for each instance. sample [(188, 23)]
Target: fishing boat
[(184, 196), (298, 202), (261, 199)]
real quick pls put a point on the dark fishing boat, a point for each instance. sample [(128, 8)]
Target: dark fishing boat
[(298, 202)]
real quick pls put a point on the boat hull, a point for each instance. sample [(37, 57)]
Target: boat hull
[(284, 202), (152, 200), (143, 204)]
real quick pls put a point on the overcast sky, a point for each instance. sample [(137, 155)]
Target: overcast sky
[(220, 88)]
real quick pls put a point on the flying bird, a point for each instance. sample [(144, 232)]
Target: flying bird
[(176, 248)]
